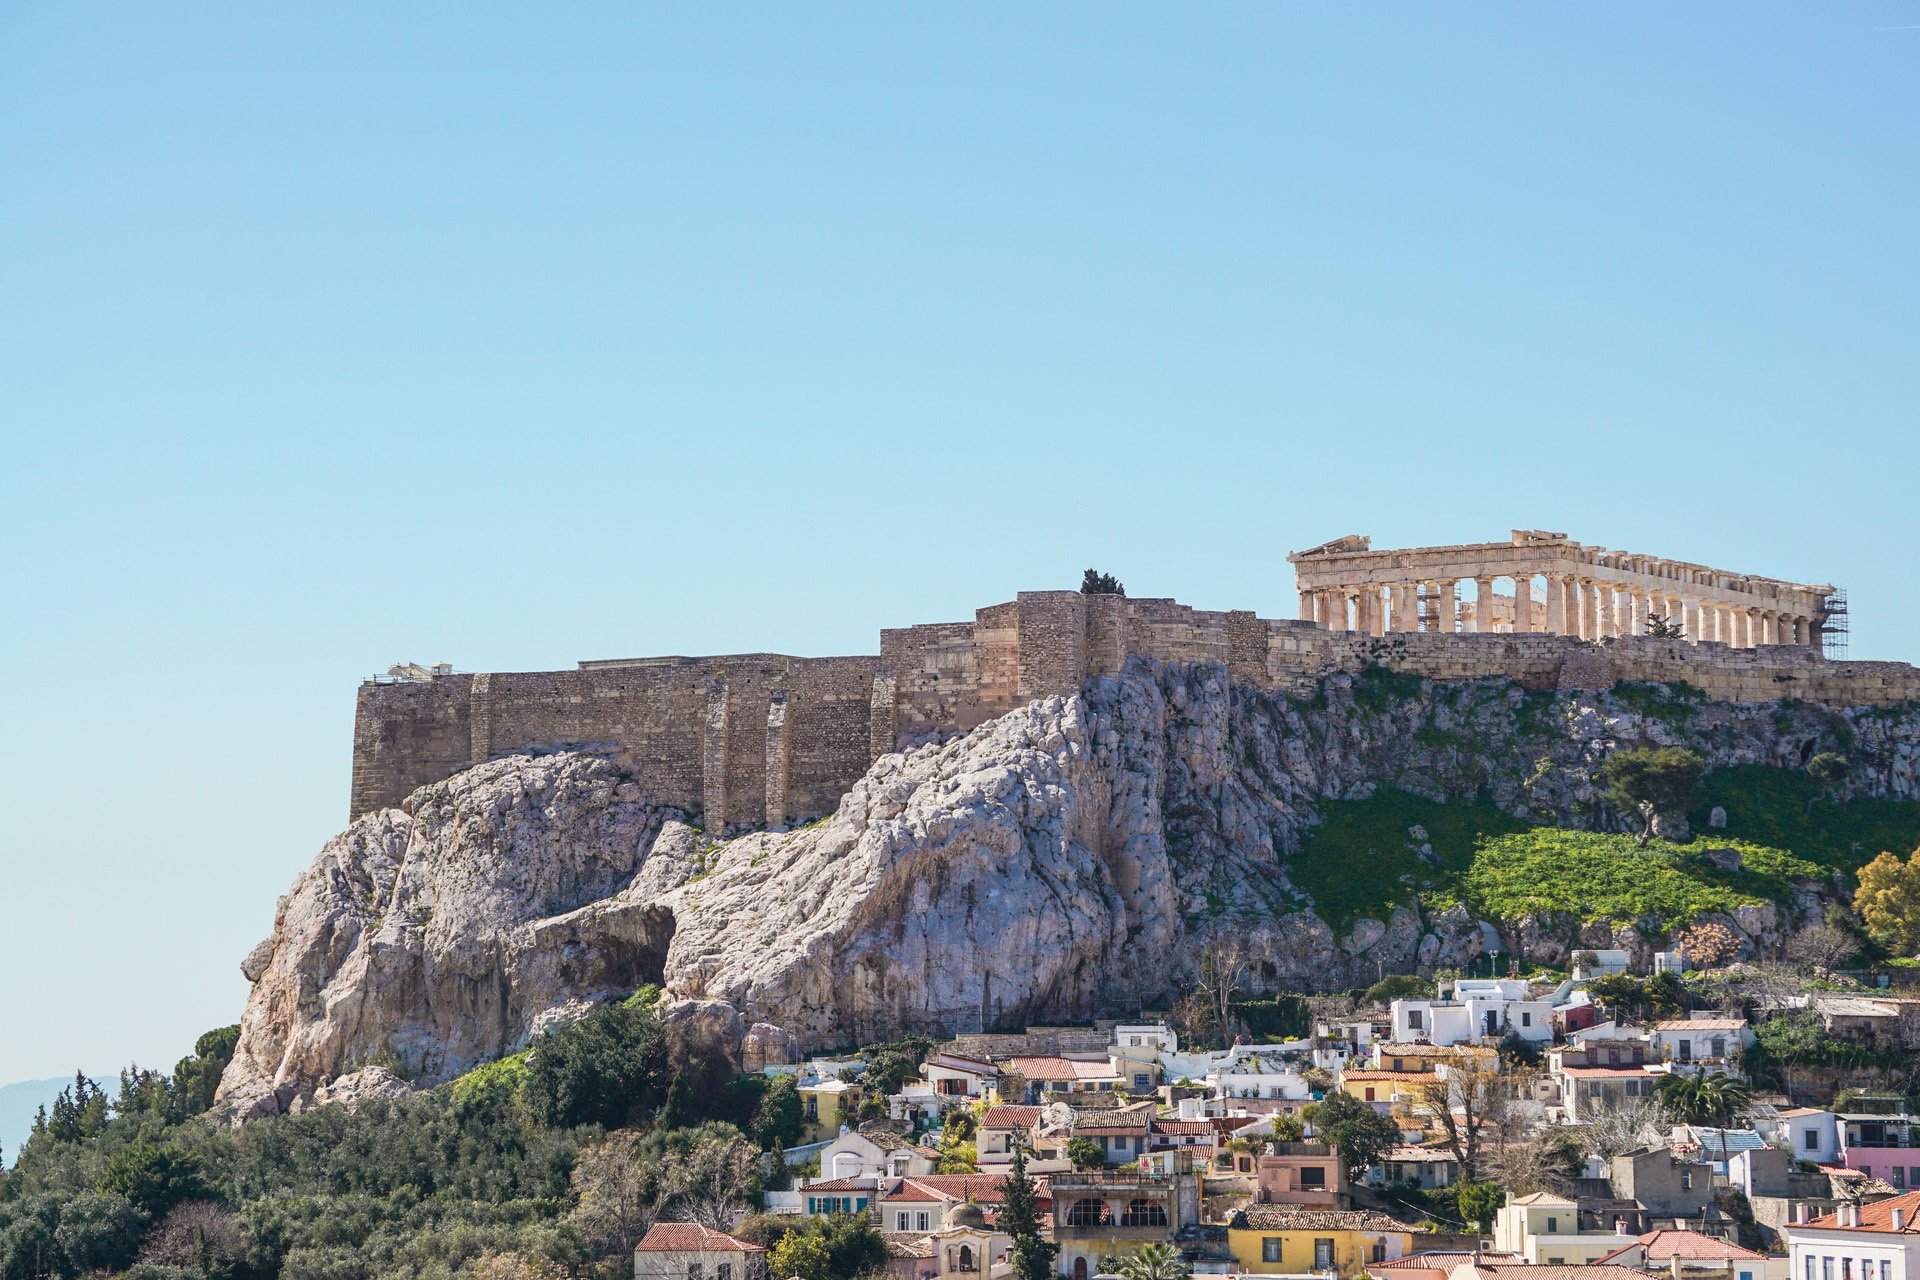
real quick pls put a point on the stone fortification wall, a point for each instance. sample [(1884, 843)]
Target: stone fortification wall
[(752, 739)]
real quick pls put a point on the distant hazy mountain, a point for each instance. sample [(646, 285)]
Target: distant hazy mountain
[(18, 1102)]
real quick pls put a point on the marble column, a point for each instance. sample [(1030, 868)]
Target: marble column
[(1447, 620), (1692, 620), (1376, 611), (1483, 604), (1522, 604), (1583, 608), (1556, 606), (1603, 611), (1802, 631), (1306, 605), (1769, 627), (1406, 607)]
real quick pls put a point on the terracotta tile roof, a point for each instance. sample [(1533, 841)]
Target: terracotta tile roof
[(840, 1184), (1794, 1113), (1556, 1271), (1701, 1024), (1408, 1155), (1367, 1075), (1438, 1261), (691, 1237), (978, 1187), (1043, 1068), (1183, 1126), (1663, 1246), (1589, 1073), (1283, 1217), (1878, 1216), (1010, 1117)]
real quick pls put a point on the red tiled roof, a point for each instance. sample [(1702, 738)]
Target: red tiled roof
[(1702, 1024), (1440, 1261), (1365, 1075), (691, 1237), (980, 1188), (1878, 1216), (1183, 1126), (1010, 1117), (840, 1184), (1556, 1271), (1043, 1068), (1664, 1245), (1581, 1073)]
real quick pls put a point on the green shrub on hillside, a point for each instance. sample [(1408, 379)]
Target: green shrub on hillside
[(1359, 862), (1784, 808)]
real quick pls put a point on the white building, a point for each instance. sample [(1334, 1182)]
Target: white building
[(1879, 1241), (1545, 1229), (1807, 1132), (1156, 1037), (1589, 963), (1701, 1042), (1478, 1007)]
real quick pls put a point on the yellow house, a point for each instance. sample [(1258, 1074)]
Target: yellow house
[(828, 1105), (1282, 1239), (1397, 1092)]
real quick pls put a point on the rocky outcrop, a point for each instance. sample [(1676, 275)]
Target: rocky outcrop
[(1071, 858)]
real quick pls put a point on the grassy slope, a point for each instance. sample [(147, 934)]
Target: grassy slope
[(1359, 862)]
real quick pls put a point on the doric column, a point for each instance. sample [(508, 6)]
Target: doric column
[(1692, 621), (1802, 631), (1306, 605), (1603, 611), (1556, 606), (1583, 608), (1522, 603), (1769, 627), (1636, 613), (1331, 609), (1743, 628), (1404, 616), (1483, 604), (1448, 620), (1376, 611)]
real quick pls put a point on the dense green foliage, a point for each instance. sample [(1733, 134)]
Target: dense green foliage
[(1784, 808), (509, 1159), (1644, 781), (1361, 862), (1270, 1019), (1361, 1134), (1030, 1256), (830, 1247)]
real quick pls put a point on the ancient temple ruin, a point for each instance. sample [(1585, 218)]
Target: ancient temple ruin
[(1558, 587)]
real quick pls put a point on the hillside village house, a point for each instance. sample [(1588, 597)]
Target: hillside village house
[(1879, 1241), (829, 1106), (1883, 1146), (1703, 1042), (1290, 1240), (999, 1129), (1394, 1093), (1810, 1133), (1101, 1214), (1683, 1254), (1302, 1173), (829, 1196), (688, 1251), (874, 1153), (1598, 1075), (1054, 1074), (1545, 1228), (1428, 1168), (1478, 1007), (922, 1204)]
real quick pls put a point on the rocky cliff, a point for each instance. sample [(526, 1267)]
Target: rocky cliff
[(1071, 858)]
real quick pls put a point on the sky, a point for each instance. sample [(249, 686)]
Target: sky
[(510, 336)]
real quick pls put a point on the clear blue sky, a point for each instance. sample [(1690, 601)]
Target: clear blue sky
[(336, 336)]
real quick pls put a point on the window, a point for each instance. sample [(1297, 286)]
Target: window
[(900, 1220), (1413, 1019), (1553, 1226), (1719, 1046), (723, 1272), (1826, 1269), (1323, 1253), (1899, 1176), (1379, 1251), (1686, 1184), (1270, 1248), (1142, 1082), (921, 1221), (1846, 1269), (966, 1257), (1810, 1275), (693, 1271), (1143, 1213), (1369, 1093), (1313, 1176), (1812, 1139), (1686, 1050), (1526, 1018), (1886, 1269), (1086, 1212)]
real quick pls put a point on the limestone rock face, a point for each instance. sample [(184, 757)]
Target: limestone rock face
[(1072, 858)]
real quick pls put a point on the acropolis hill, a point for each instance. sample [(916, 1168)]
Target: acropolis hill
[(757, 739)]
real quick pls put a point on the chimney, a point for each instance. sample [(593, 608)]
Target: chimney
[(1620, 1226), (1899, 1219), (1800, 1212)]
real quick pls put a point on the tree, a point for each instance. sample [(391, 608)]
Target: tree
[(1095, 583), (153, 1177), (197, 1076), (1888, 901), (607, 1068), (1662, 627), (1618, 1129), (803, 1254), (1223, 964), (1705, 1099), (1478, 1202), (1287, 1127), (1085, 1153), (1361, 1134), (715, 1180), (1707, 944), (1829, 769), (1399, 986), (1549, 1161), (1471, 1099), (1153, 1262), (1652, 781), (618, 1191), (1031, 1257), (198, 1236), (781, 1120)]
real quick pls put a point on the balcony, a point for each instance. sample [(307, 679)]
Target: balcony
[(1096, 1181)]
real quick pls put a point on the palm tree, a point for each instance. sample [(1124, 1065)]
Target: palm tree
[(1153, 1262), (1703, 1098)]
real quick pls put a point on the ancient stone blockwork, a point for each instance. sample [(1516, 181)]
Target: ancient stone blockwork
[(765, 739)]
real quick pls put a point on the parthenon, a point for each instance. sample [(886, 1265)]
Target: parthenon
[(1589, 592)]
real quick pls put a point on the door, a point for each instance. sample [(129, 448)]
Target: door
[(1079, 1269)]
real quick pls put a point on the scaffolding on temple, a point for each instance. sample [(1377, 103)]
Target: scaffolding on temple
[(1833, 627)]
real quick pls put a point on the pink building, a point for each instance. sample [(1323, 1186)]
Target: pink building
[(1305, 1173)]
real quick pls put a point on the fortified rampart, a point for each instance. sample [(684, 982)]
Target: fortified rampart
[(751, 739)]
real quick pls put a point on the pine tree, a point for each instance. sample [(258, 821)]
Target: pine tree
[(1019, 1217)]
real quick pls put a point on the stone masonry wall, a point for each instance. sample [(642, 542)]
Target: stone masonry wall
[(765, 739)]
